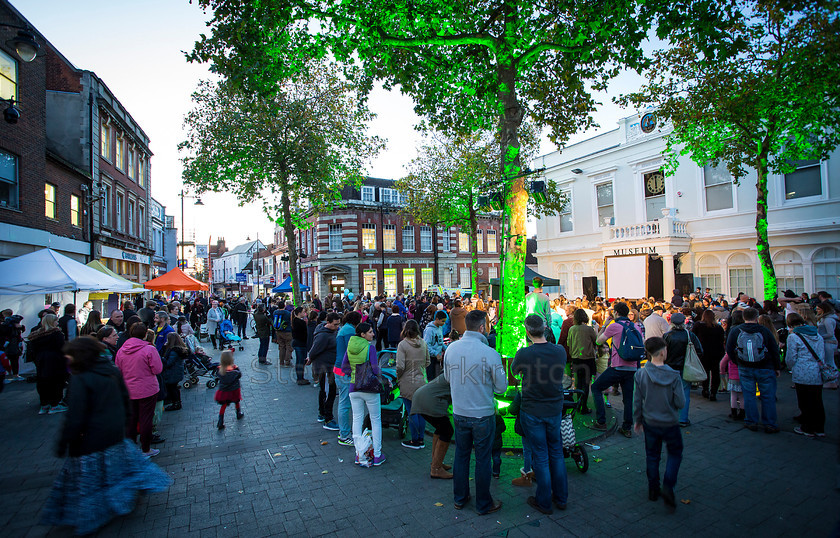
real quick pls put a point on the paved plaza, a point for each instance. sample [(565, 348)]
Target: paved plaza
[(278, 473)]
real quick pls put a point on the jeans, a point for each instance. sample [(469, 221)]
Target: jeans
[(527, 458), (263, 352), (654, 436), (610, 377), (300, 362), (359, 401), (416, 423), (765, 381), (687, 390), (345, 412), (496, 457), (473, 433), (240, 330), (549, 467)]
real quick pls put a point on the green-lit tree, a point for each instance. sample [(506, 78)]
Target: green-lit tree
[(768, 99), (292, 150), (464, 167), (469, 66)]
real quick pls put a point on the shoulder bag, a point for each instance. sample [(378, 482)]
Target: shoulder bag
[(828, 373), (693, 370)]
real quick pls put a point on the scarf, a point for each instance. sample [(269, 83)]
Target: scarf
[(357, 353)]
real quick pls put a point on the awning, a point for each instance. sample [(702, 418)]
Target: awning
[(101, 267), (175, 280), (47, 271), (286, 286)]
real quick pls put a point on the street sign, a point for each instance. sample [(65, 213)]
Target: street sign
[(241, 277), (271, 280)]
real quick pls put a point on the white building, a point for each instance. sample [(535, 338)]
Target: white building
[(234, 261), (696, 226)]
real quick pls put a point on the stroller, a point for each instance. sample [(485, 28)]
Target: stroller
[(571, 448), (392, 409), (227, 336), (198, 364)]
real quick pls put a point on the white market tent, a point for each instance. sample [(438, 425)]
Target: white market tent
[(47, 271)]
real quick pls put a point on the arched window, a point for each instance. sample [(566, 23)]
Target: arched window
[(709, 271), (577, 275), (563, 279), (599, 274), (827, 271), (740, 275), (789, 272)]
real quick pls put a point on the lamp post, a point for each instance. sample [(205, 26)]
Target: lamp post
[(197, 202)]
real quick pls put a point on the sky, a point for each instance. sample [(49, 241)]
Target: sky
[(137, 46)]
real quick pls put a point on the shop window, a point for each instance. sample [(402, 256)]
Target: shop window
[(409, 281), (369, 281), (390, 282), (427, 277)]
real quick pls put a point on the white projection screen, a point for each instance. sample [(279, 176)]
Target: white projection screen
[(626, 276)]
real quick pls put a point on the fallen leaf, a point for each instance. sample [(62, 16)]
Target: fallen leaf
[(438, 504), (277, 454), (598, 460), (324, 472), (325, 442), (686, 501)]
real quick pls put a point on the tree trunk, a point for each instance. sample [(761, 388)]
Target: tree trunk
[(512, 333), (291, 241), (762, 244), (473, 247)]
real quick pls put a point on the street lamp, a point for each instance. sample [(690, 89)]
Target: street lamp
[(27, 49), (197, 202)]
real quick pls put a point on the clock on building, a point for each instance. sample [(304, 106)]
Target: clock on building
[(654, 183)]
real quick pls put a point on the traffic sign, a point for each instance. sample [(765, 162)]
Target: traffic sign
[(241, 277)]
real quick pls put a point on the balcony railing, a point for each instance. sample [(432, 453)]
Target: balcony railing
[(667, 226)]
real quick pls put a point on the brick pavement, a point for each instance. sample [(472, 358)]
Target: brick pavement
[(269, 475)]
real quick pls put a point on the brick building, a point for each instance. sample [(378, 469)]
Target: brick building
[(344, 248)]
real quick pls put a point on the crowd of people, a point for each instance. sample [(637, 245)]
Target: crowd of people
[(444, 354)]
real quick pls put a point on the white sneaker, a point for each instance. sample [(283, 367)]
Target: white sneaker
[(45, 410), (60, 408), (151, 453)]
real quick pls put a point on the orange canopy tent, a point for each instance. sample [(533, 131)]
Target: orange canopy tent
[(175, 280)]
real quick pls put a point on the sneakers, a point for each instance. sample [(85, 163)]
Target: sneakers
[(45, 410), (151, 453), (416, 445), (799, 431), (60, 408), (331, 425), (321, 418), (625, 432), (347, 441), (600, 426), (379, 460)]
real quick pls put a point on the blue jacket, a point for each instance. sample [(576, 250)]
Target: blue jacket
[(160, 336), (342, 338)]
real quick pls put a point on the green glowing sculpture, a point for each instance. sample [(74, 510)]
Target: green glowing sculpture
[(469, 66), (292, 150), (766, 97)]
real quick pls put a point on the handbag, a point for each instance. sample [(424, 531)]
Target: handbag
[(693, 370), (567, 431), (828, 373), (366, 380)]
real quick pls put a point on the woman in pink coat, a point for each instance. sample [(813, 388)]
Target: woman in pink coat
[(140, 364)]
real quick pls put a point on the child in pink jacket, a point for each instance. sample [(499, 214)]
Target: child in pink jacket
[(736, 395)]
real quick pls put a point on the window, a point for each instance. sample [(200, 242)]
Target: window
[(479, 239), (718, 185), (8, 77), (368, 194), (369, 236), (389, 196), (446, 236), (336, 240), (8, 180), (369, 281), (599, 275), (403, 198), (805, 181), (390, 282), (141, 222), (425, 238), (710, 277), (562, 279), (427, 277), (105, 215), (790, 274), (315, 240), (491, 241), (49, 200), (74, 210), (409, 282), (740, 275), (120, 202), (141, 170), (565, 216), (389, 241), (131, 208), (447, 279), (577, 276), (493, 272), (132, 173), (654, 187), (463, 242), (118, 152), (408, 238), (827, 270), (465, 277), (604, 201)]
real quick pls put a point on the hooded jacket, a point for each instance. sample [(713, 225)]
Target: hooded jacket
[(804, 368), (323, 346), (657, 396), (412, 361), (140, 364), (357, 348), (98, 410), (342, 339)]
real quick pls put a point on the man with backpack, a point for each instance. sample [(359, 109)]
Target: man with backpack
[(757, 354), (626, 350), (282, 321)]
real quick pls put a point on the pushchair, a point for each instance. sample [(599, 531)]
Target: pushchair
[(571, 448), (227, 336), (392, 410), (197, 365)]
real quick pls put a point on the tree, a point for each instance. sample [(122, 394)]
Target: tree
[(768, 99), (464, 167), (468, 66), (292, 150)]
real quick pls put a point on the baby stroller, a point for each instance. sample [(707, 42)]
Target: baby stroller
[(197, 365), (227, 336), (392, 409), (571, 448)]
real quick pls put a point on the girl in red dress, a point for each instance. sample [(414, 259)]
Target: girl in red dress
[(228, 391)]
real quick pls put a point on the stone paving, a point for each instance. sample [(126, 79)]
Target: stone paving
[(271, 474)]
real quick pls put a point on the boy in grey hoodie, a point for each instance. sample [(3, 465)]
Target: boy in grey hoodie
[(657, 398)]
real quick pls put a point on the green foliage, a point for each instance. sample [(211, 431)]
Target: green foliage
[(767, 99)]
